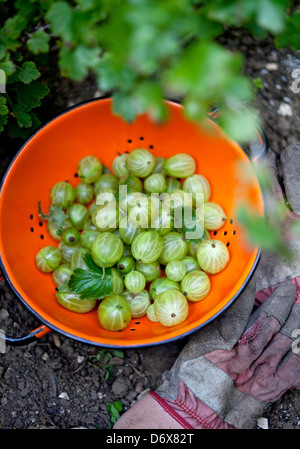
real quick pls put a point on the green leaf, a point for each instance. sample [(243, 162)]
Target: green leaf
[(14, 26), (7, 66), (114, 410), (14, 131), (30, 95), (240, 125), (60, 18), (2, 51), (125, 105), (29, 72), (3, 122), (39, 42), (24, 118), (204, 70), (27, 8), (261, 232), (118, 405), (3, 107), (150, 97), (290, 37), (258, 84), (75, 63), (56, 214), (118, 353), (111, 74), (271, 16), (93, 283), (91, 264)]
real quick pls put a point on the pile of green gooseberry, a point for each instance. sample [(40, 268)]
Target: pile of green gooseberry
[(155, 270)]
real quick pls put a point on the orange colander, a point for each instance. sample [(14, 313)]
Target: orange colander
[(52, 154)]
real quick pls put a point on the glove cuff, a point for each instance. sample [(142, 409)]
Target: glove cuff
[(189, 411), (170, 409)]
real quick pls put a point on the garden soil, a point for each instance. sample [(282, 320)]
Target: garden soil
[(59, 383)]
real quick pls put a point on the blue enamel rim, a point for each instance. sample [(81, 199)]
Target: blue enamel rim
[(32, 335)]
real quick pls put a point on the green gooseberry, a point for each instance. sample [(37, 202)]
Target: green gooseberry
[(48, 259), (159, 165), (107, 249), (62, 274), (175, 270), (155, 183), (56, 231), (114, 313), (140, 162), (78, 214), (84, 193), (135, 281), (126, 264), (117, 282), (171, 308), (89, 169), (151, 314), (195, 285), (139, 302), (62, 194), (87, 237), (128, 233), (106, 217), (147, 246), (163, 223), (181, 165), (73, 302), (106, 181), (89, 225), (67, 251), (151, 271), (70, 236), (119, 165), (190, 263), (133, 183), (162, 284), (92, 207), (197, 184), (172, 184), (174, 247)]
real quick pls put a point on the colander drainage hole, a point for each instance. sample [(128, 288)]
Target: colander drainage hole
[(234, 232), (42, 237), (31, 217), (31, 229), (228, 243), (142, 138), (129, 141), (225, 232), (215, 232)]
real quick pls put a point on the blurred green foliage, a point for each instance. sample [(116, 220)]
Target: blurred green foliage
[(140, 51)]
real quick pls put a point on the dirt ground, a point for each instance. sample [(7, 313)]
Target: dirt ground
[(60, 383)]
